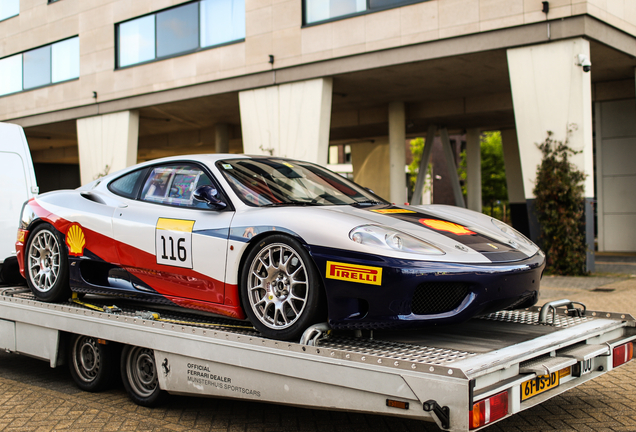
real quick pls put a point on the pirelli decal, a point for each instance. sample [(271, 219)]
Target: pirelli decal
[(354, 273)]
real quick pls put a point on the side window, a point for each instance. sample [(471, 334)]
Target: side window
[(126, 186), (174, 185)]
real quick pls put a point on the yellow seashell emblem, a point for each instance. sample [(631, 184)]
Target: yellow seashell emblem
[(75, 240)]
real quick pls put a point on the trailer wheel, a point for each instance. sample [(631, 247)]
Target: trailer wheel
[(139, 374), (91, 363), (46, 264), (280, 289)]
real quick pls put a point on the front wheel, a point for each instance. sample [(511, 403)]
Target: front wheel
[(46, 263), (139, 374), (91, 363), (280, 289)]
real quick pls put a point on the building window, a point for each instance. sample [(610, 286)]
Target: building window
[(180, 30), (326, 10), (222, 21), (50, 64), (11, 73), (9, 8), (137, 41), (65, 60), (36, 67)]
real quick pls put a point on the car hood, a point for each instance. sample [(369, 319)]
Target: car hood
[(463, 235)]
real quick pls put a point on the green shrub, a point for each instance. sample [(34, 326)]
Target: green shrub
[(560, 207)]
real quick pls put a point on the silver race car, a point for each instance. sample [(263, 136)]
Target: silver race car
[(283, 243)]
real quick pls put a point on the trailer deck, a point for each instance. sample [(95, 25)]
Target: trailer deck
[(435, 374)]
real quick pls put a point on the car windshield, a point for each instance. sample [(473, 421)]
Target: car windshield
[(270, 181)]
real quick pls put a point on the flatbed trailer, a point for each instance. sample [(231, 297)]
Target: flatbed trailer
[(462, 377)]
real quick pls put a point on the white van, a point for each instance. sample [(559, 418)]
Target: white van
[(17, 184)]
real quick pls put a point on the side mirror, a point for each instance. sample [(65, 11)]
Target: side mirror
[(209, 195)]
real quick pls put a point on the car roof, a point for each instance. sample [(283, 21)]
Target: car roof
[(205, 158)]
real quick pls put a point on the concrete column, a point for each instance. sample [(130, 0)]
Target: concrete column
[(370, 160), (107, 143), (222, 138), (514, 181), (473, 169), (397, 152), (423, 168), (288, 120), (452, 168), (550, 92)]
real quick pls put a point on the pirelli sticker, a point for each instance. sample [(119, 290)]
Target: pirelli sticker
[(354, 273), (392, 211)]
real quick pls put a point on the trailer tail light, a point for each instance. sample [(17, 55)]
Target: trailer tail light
[(489, 410), (622, 354)]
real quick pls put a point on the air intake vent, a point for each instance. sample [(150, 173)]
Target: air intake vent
[(438, 297)]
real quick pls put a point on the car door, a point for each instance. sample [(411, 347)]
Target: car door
[(172, 245)]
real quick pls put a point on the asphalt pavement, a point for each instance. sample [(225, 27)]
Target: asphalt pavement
[(34, 397)]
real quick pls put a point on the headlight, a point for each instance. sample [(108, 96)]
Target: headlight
[(387, 238), (512, 233)]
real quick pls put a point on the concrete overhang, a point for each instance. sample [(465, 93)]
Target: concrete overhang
[(459, 83)]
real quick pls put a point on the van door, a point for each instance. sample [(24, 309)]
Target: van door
[(17, 185)]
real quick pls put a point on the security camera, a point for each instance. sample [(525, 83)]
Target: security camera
[(583, 61)]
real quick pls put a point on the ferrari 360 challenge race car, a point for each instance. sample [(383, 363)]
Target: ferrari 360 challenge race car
[(284, 243)]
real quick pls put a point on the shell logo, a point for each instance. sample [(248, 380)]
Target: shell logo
[(75, 240), (440, 225)]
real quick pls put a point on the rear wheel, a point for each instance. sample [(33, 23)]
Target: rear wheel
[(280, 289), (91, 363), (139, 374), (46, 264)]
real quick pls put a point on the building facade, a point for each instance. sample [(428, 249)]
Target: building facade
[(99, 85)]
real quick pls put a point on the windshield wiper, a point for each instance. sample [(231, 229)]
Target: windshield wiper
[(291, 203), (367, 203)]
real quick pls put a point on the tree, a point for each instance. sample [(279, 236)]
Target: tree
[(494, 191), (560, 206), (417, 148)]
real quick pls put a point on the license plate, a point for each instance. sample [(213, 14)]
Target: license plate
[(538, 385), (583, 367)]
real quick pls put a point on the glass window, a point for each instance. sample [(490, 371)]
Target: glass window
[(126, 185), (222, 21), (9, 8), (11, 73), (37, 67), (65, 64), (136, 41), (284, 182), (174, 185), (178, 30), (322, 10), (319, 10)]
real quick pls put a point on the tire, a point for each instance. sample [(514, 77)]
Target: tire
[(280, 289), (139, 374), (91, 363), (46, 264)]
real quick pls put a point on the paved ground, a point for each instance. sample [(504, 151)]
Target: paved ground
[(34, 397)]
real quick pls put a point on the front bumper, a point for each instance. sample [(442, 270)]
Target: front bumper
[(413, 293)]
